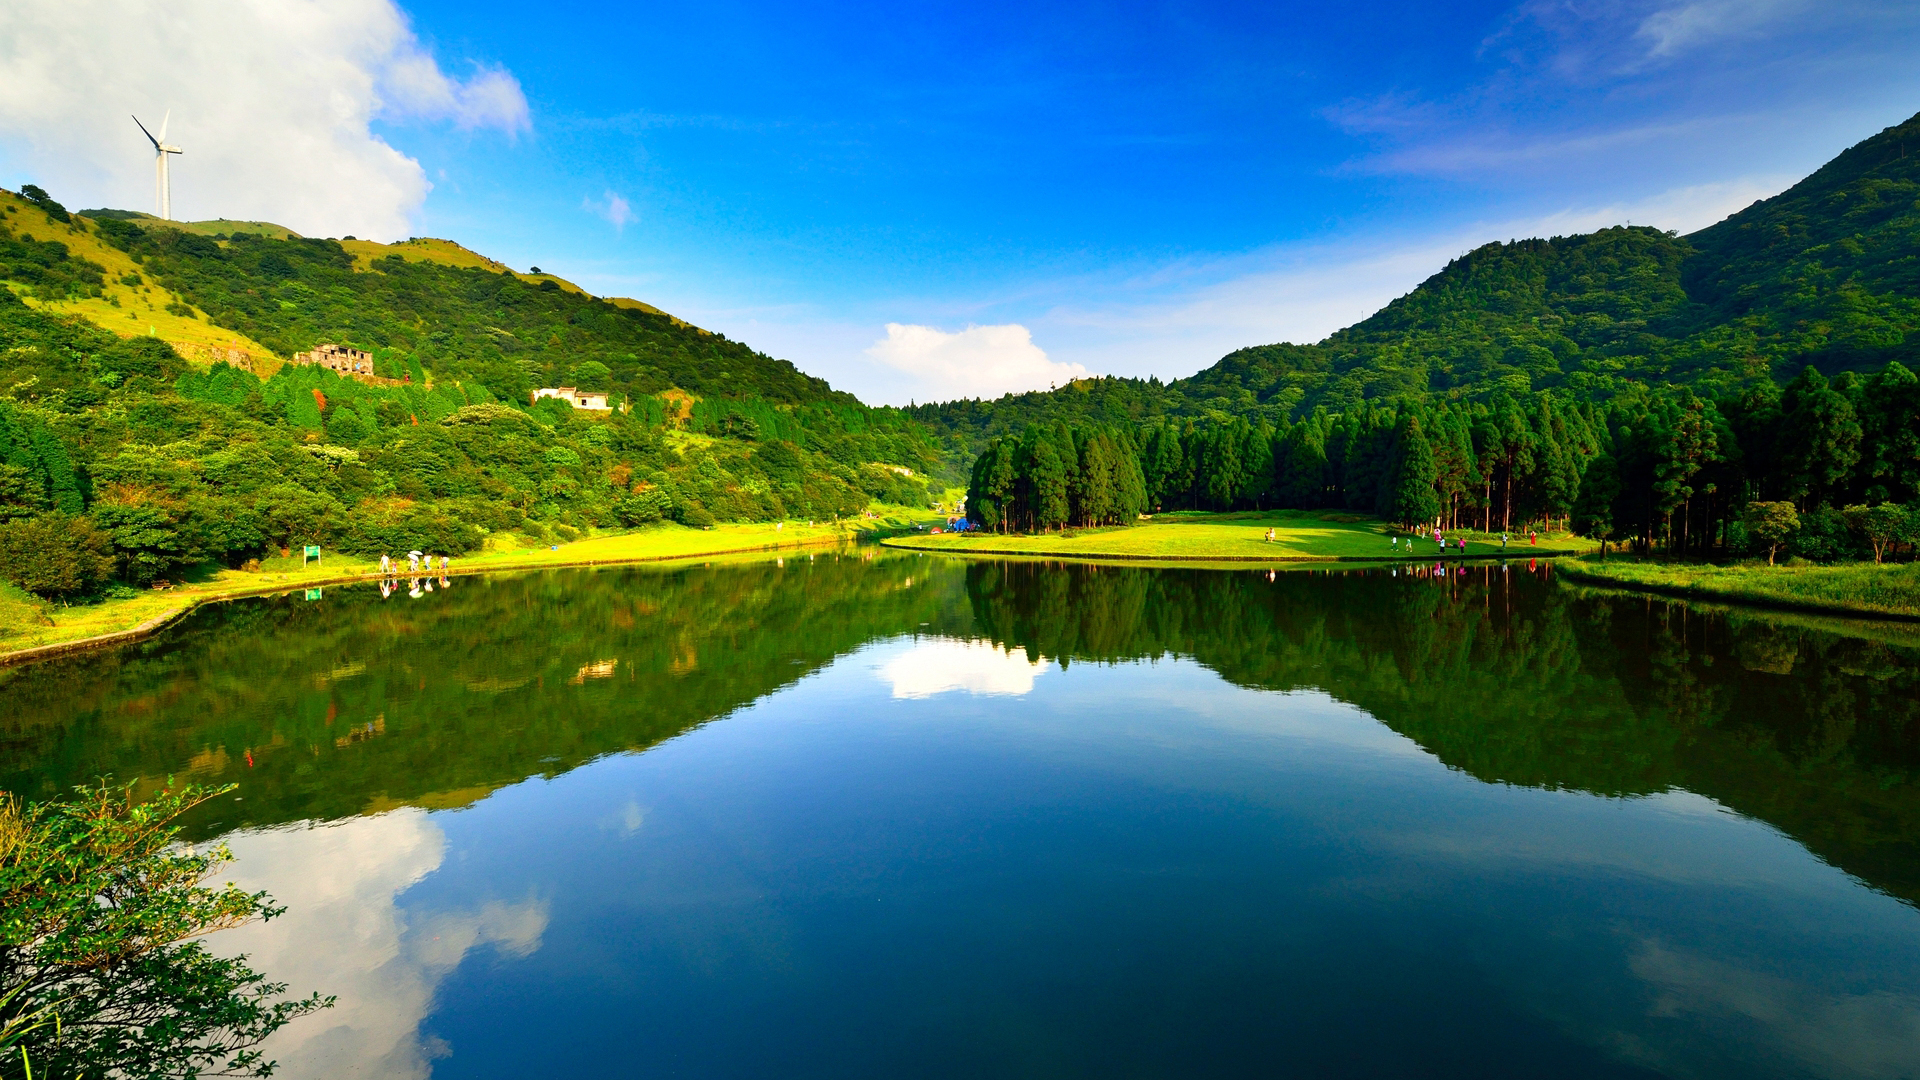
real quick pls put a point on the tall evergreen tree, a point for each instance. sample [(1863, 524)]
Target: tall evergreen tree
[(1412, 499), (1303, 479)]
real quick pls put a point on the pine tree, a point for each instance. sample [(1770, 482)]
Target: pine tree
[(1256, 463), (1304, 478), (1093, 486), (1413, 501)]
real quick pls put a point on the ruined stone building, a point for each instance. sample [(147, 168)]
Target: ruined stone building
[(340, 358)]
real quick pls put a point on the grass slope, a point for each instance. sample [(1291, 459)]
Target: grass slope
[(428, 249), (1861, 588), (26, 623), (126, 309), (1190, 536)]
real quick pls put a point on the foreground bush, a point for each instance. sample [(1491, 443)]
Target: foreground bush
[(100, 974)]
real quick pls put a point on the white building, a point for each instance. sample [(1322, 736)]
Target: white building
[(579, 399)]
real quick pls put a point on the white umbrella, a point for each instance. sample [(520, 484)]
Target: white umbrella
[(413, 554)]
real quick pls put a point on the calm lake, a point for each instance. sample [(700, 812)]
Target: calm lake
[(863, 815)]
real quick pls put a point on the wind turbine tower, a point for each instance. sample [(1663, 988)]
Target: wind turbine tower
[(162, 196)]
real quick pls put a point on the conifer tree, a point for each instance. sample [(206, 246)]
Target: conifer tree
[(1304, 478), (1412, 499)]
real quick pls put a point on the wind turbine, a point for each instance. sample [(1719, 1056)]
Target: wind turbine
[(161, 193)]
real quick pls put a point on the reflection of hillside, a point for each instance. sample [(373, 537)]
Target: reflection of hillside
[(1514, 681), (327, 709)]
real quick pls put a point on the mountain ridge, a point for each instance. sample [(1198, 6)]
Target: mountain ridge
[(1825, 274)]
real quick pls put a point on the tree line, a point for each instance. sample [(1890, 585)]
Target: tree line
[(1055, 475), (1838, 461)]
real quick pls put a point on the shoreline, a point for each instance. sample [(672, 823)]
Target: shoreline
[(1109, 556), (247, 590)]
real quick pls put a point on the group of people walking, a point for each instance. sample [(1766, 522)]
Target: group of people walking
[(1440, 538), (416, 563)]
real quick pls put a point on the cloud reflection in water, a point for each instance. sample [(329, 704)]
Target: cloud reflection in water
[(938, 665), (345, 934)]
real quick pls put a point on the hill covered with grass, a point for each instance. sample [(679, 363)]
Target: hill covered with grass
[(150, 421)]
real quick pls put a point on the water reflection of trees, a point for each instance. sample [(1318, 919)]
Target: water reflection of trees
[(327, 709), (1513, 680)]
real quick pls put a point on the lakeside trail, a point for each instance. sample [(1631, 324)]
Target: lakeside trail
[(122, 619), (1299, 536)]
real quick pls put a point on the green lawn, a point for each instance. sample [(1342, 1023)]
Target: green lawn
[(1200, 537), (1859, 588), (27, 623)]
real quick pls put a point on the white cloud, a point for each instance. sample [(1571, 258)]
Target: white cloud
[(611, 206), (1675, 29), (272, 101), (980, 361), (345, 934), (977, 667)]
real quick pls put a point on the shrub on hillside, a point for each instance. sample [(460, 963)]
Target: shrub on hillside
[(644, 507), (55, 556)]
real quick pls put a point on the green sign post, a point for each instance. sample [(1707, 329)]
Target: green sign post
[(312, 551)]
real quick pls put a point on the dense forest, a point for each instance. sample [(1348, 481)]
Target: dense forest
[(1826, 470)]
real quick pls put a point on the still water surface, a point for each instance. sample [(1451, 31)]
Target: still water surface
[(859, 816)]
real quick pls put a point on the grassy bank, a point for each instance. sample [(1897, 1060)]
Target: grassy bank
[(1188, 536), (1858, 588), (27, 623)]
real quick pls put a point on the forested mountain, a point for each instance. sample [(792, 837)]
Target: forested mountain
[(1826, 274), (1630, 382)]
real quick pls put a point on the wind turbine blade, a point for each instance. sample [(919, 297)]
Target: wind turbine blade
[(164, 121), (148, 134)]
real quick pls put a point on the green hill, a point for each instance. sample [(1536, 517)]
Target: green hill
[(150, 419), (1825, 274), (1627, 382)]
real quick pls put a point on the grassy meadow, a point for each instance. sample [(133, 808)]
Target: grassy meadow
[(1311, 535), (1858, 588)]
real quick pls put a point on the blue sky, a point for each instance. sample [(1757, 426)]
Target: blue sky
[(1130, 189)]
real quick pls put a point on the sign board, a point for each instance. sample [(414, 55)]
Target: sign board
[(311, 551), (313, 594)]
